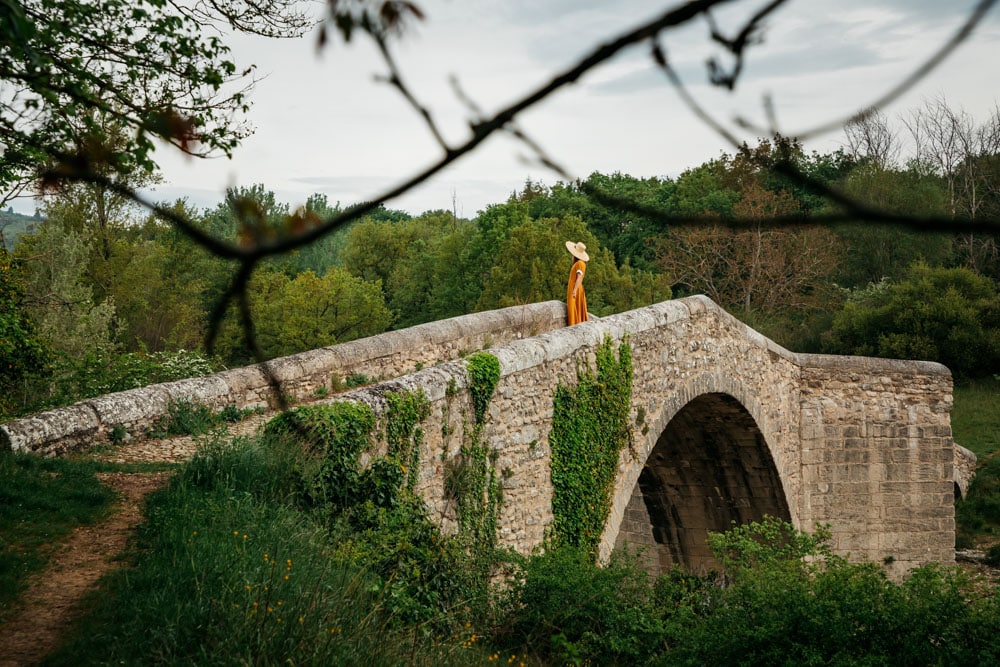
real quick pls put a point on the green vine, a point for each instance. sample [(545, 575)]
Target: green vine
[(402, 433), (590, 428), (338, 433), (471, 478), (484, 374)]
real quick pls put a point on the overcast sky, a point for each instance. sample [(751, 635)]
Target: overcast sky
[(322, 124)]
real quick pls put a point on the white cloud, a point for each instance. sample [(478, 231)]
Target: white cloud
[(324, 125)]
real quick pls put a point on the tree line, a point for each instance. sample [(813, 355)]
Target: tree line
[(102, 296)]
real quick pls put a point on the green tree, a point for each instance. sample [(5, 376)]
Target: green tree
[(879, 251), (533, 265), (23, 354), (147, 66), (59, 295), (156, 309), (433, 282), (324, 253), (306, 312), (624, 233), (703, 190), (936, 314)]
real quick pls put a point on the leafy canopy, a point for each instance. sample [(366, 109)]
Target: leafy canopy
[(71, 68)]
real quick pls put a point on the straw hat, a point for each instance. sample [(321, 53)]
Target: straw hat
[(578, 250)]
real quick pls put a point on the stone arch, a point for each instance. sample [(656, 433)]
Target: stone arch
[(711, 465)]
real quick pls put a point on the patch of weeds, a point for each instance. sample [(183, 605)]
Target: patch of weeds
[(119, 434), (321, 391), (184, 418), (357, 380), (231, 414)]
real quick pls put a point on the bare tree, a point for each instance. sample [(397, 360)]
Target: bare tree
[(954, 146), (870, 139)]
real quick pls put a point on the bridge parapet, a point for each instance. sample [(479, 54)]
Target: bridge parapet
[(389, 355), (727, 426)]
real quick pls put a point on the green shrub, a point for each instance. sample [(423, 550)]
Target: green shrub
[(789, 601), (332, 438), (567, 610), (947, 315), (100, 372), (979, 513), (228, 571), (184, 418)]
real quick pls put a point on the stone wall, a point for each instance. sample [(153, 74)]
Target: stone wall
[(92, 421), (862, 444), (878, 457)]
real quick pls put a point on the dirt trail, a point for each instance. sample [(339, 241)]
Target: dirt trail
[(51, 603)]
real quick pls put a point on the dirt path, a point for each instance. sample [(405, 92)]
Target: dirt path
[(51, 603)]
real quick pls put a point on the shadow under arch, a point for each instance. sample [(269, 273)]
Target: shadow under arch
[(710, 467)]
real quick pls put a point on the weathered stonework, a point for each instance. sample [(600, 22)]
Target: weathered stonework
[(727, 426), (301, 376)]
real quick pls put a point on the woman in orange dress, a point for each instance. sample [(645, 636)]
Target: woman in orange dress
[(576, 299)]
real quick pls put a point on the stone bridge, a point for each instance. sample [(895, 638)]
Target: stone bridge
[(728, 426)]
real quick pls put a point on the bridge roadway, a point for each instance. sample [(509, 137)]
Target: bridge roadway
[(728, 426)]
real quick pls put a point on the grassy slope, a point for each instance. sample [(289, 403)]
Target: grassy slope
[(975, 422)]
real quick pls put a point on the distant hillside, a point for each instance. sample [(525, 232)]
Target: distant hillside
[(12, 225)]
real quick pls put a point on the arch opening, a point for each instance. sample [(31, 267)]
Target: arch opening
[(710, 467)]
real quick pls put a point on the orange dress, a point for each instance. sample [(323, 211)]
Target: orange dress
[(576, 306)]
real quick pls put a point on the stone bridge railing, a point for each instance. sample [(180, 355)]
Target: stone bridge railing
[(864, 444), (301, 376)]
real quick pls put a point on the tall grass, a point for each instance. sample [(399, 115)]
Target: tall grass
[(975, 422), (41, 501), (229, 570), (975, 419)]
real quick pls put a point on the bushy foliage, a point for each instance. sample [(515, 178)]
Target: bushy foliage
[(304, 313), (947, 315), (565, 609), (102, 372), (590, 428), (979, 512), (378, 522), (790, 601), (228, 570), (22, 352), (336, 435)]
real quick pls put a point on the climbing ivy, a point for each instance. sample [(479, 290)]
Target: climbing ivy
[(402, 433), (388, 526), (590, 427), (471, 479), (484, 374)]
